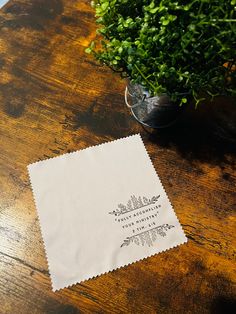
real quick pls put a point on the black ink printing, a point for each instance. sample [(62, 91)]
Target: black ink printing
[(133, 204), (147, 237)]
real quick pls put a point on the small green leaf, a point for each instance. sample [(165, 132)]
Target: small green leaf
[(120, 49), (165, 22), (105, 5), (152, 5), (153, 11)]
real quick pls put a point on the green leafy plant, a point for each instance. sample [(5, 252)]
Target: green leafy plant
[(172, 47)]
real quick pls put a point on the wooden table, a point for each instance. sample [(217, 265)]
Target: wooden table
[(55, 99)]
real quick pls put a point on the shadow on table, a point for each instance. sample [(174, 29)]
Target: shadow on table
[(207, 134), (222, 305)]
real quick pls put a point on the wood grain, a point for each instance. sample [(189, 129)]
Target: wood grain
[(55, 99)]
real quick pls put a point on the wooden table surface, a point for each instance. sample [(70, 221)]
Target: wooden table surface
[(55, 99)]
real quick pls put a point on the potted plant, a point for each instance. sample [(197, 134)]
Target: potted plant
[(171, 51)]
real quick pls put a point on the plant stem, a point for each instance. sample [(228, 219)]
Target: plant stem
[(223, 20), (200, 8), (145, 78)]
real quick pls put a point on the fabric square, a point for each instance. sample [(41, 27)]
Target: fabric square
[(101, 208)]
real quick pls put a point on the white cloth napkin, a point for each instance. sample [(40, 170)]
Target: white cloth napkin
[(101, 208)]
